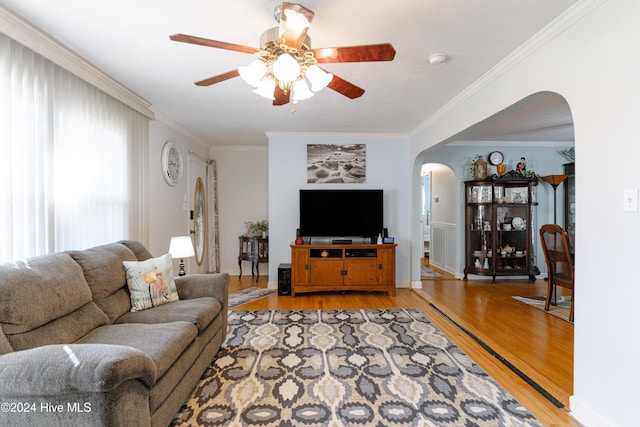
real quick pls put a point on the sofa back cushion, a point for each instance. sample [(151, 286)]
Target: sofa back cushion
[(104, 272), (138, 249), (46, 300)]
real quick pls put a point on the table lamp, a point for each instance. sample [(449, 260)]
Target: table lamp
[(181, 247)]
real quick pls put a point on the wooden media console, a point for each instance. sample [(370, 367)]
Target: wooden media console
[(337, 267)]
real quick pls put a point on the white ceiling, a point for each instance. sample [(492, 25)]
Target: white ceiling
[(129, 41)]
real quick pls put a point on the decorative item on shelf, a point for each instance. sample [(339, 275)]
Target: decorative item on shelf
[(181, 247), (479, 168), (257, 229), (554, 181), (379, 241), (514, 175), (568, 153), (521, 167), (501, 168), (517, 197)]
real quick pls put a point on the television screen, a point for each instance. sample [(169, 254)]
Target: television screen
[(341, 213)]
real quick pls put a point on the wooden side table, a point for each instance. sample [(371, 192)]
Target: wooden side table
[(254, 249)]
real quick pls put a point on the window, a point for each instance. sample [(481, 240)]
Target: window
[(73, 160)]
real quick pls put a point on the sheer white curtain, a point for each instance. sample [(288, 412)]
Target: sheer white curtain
[(74, 159)]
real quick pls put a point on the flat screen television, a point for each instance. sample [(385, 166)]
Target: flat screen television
[(341, 213)]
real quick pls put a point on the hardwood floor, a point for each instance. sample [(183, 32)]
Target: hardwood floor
[(485, 321)]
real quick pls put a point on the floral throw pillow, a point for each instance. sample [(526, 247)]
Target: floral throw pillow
[(151, 282)]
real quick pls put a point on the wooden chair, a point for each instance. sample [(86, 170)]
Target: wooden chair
[(555, 246)]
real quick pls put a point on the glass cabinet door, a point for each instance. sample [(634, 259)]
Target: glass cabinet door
[(479, 220), (480, 193)]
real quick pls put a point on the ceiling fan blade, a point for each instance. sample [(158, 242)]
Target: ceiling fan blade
[(345, 88), (184, 38), (295, 21), (366, 53), (282, 98), (219, 78)]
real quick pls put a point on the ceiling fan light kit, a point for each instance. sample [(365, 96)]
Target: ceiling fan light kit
[(286, 61)]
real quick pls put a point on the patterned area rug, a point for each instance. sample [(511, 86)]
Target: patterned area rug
[(249, 294), (427, 273), (561, 310), (345, 368)]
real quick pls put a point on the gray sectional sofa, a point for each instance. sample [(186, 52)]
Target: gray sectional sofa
[(72, 352)]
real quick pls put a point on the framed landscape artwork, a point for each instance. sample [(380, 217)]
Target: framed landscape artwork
[(336, 163)]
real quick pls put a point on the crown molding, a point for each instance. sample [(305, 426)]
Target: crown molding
[(28, 35), (337, 135), (459, 143), (163, 118), (564, 21), (245, 148)]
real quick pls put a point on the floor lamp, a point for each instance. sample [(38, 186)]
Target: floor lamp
[(554, 180)]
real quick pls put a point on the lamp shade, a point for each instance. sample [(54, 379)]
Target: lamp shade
[(555, 179), (266, 88), (181, 247), (301, 91), (286, 68), (253, 73), (318, 77)]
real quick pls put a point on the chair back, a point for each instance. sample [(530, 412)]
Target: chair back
[(555, 246)]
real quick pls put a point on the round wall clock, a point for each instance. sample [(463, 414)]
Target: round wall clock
[(496, 157), (172, 164)]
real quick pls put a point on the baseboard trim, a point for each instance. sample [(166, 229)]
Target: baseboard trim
[(584, 413)]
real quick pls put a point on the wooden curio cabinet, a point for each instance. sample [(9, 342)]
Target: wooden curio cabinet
[(500, 228)]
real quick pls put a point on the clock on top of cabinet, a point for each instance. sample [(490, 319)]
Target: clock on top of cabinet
[(172, 163), (496, 157)]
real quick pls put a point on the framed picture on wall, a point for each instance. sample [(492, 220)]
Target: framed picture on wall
[(336, 163)]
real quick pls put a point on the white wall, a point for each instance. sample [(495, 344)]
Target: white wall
[(243, 178), (387, 160), (603, 96), (444, 217), (168, 212)]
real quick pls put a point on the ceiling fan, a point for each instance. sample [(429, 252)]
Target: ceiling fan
[(285, 59)]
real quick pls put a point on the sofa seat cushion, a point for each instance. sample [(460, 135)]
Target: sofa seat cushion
[(198, 311), (163, 342)]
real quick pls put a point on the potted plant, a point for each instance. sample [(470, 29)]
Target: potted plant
[(259, 228)]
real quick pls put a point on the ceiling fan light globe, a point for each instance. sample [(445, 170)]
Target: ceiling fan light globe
[(318, 78), (286, 68), (253, 73), (266, 88), (300, 91)]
